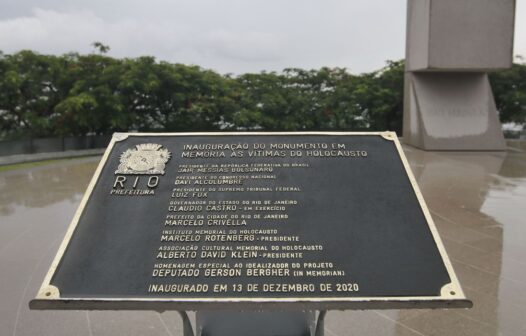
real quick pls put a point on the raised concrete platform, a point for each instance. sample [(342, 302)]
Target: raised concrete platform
[(477, 200)]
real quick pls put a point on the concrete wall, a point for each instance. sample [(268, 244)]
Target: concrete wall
[(47, 145)]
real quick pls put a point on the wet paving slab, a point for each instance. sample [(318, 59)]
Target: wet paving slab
[(477, 200)]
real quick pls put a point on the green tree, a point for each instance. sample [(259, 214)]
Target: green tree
[(74, 94), (102, 48), (31, 86), (194, 99), (380, 96), (93, 104), (509, 89)]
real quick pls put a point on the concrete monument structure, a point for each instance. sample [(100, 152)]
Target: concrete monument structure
[(451, 44)]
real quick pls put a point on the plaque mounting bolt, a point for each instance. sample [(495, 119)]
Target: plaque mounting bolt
[(388, 135), (120, 136), (449, 291), (49, 292)]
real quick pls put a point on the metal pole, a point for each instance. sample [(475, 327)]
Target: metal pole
[(320, 325), (187, 326)]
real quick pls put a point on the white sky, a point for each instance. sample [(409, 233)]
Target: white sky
[(226, 35)]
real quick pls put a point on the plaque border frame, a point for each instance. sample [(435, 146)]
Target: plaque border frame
[(451, 294)]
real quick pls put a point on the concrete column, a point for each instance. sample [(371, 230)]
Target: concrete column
[(451, 44)]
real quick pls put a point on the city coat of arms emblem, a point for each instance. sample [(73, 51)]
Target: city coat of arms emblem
[(144, 159)]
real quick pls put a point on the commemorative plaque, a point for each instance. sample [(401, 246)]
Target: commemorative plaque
[(191, 221)]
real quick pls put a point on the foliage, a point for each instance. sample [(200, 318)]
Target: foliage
[(102, 48), (72, 94), (509, 89)]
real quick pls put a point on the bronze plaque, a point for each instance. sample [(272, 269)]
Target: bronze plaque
[(251, 221)]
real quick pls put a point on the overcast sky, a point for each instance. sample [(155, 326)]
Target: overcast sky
[(226, 35)]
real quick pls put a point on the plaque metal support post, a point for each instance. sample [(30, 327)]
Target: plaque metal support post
[(229, 323), (320, 325), (187, 325)]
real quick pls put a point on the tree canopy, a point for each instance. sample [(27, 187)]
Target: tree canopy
[(509, 90), (73, 94)]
